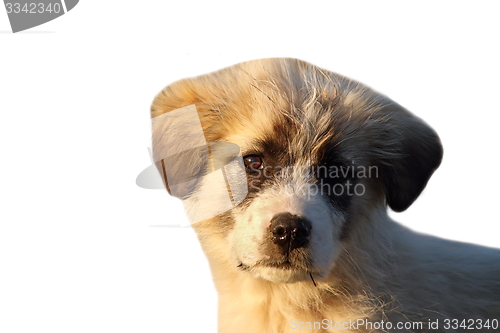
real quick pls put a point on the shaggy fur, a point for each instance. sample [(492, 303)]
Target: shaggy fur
[(358, 263)]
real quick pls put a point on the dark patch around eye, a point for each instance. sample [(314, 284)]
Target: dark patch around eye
[(337, 180)]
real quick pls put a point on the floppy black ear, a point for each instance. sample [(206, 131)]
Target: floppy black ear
[(416, 152)]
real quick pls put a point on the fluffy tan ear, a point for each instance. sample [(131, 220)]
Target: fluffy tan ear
[(174, 96), (179, 147), (416, 152), (183, 149)]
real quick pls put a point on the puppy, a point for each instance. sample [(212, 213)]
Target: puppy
[(305, 242)]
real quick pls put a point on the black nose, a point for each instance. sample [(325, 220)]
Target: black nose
[(290, 231)]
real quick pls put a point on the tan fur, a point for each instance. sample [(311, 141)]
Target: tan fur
[(383, 271)]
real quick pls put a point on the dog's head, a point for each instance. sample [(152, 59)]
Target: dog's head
[(322, 154)]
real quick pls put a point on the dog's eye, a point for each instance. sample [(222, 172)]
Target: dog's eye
[(253, 162)]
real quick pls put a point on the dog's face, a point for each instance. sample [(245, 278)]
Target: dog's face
[(321, 155)]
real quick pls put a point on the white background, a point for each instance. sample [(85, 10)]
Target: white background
[(78, 252)]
